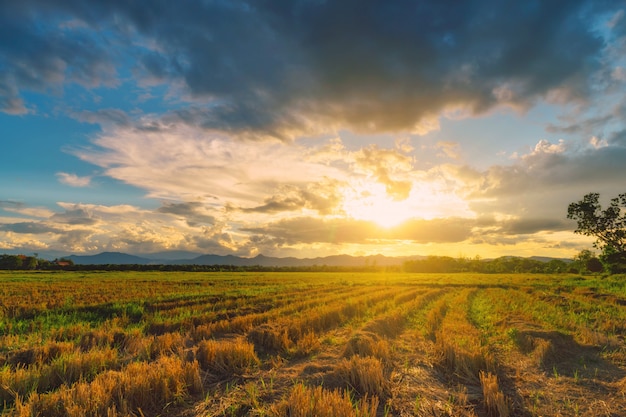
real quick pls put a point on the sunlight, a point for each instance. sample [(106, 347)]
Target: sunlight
[(370, 202), (428, 200)]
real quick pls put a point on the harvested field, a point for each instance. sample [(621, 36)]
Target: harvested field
[(311, 344)]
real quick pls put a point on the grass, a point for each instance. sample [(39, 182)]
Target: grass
[(311, 344)]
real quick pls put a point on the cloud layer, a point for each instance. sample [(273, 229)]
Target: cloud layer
[(266, 69), (322, 206), (294, 128)]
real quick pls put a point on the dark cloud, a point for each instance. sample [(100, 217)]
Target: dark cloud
[(276, 205), (191, 212), (311, 230), (322, 197), (219, 245), (588, 126), (568, 245), (77, 216), (282, 68), (29, 228), (619, 138), (75, 239), (315, 230), (11, 204), (530, 226), (533, 194), (495, 240), (37, 53), (10, 101), (543, 172)]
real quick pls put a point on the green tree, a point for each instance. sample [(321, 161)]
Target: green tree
[(608, 226), (11, 262), (581, 260), (555, 266), (30, 262)]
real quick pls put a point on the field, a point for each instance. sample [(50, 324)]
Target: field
[(311, 344)]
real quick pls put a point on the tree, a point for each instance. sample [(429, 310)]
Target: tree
[(30, 262), (555, 266), (607, 226), (594, 265), (581, 260)]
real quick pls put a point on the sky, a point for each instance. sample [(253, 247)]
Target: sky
[(308, 128)]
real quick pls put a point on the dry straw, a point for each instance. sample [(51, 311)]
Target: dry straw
[(319, 402), (496, 403)]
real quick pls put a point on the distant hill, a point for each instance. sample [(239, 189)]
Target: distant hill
[(106, 258), (191, 258), (185, 258), (261, 260), (171, 255), (548, 259)]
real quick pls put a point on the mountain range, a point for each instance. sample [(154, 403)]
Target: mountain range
[(192, 258)]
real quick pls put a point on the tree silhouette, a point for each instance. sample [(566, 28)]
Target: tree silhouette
[(607, 226)]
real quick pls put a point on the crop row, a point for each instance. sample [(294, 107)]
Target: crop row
[(312, 345)]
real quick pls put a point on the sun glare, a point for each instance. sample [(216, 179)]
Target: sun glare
[(371, 203)]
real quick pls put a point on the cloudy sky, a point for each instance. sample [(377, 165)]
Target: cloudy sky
[(308, 127)]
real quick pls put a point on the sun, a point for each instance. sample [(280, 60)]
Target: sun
[(372, 203)]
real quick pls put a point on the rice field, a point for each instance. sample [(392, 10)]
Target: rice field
[(311, 344)]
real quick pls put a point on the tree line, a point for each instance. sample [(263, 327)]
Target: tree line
[(29, 263), (440, 264), (502, 265)]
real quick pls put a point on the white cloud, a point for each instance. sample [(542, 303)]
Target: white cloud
[(545, 147), (598, 143), (183, 163), (73, 180), (542, 183), (39, 212), (449, 149)]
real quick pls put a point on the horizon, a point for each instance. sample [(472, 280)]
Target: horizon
[(308, 129), (159, 256)]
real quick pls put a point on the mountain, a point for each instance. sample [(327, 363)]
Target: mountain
[(113, 258), (186, 258), (191, 258), (214, 260), (548, 259), (261, 260), (171, 255)]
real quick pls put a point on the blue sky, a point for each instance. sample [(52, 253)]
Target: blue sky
[(308, 128)]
